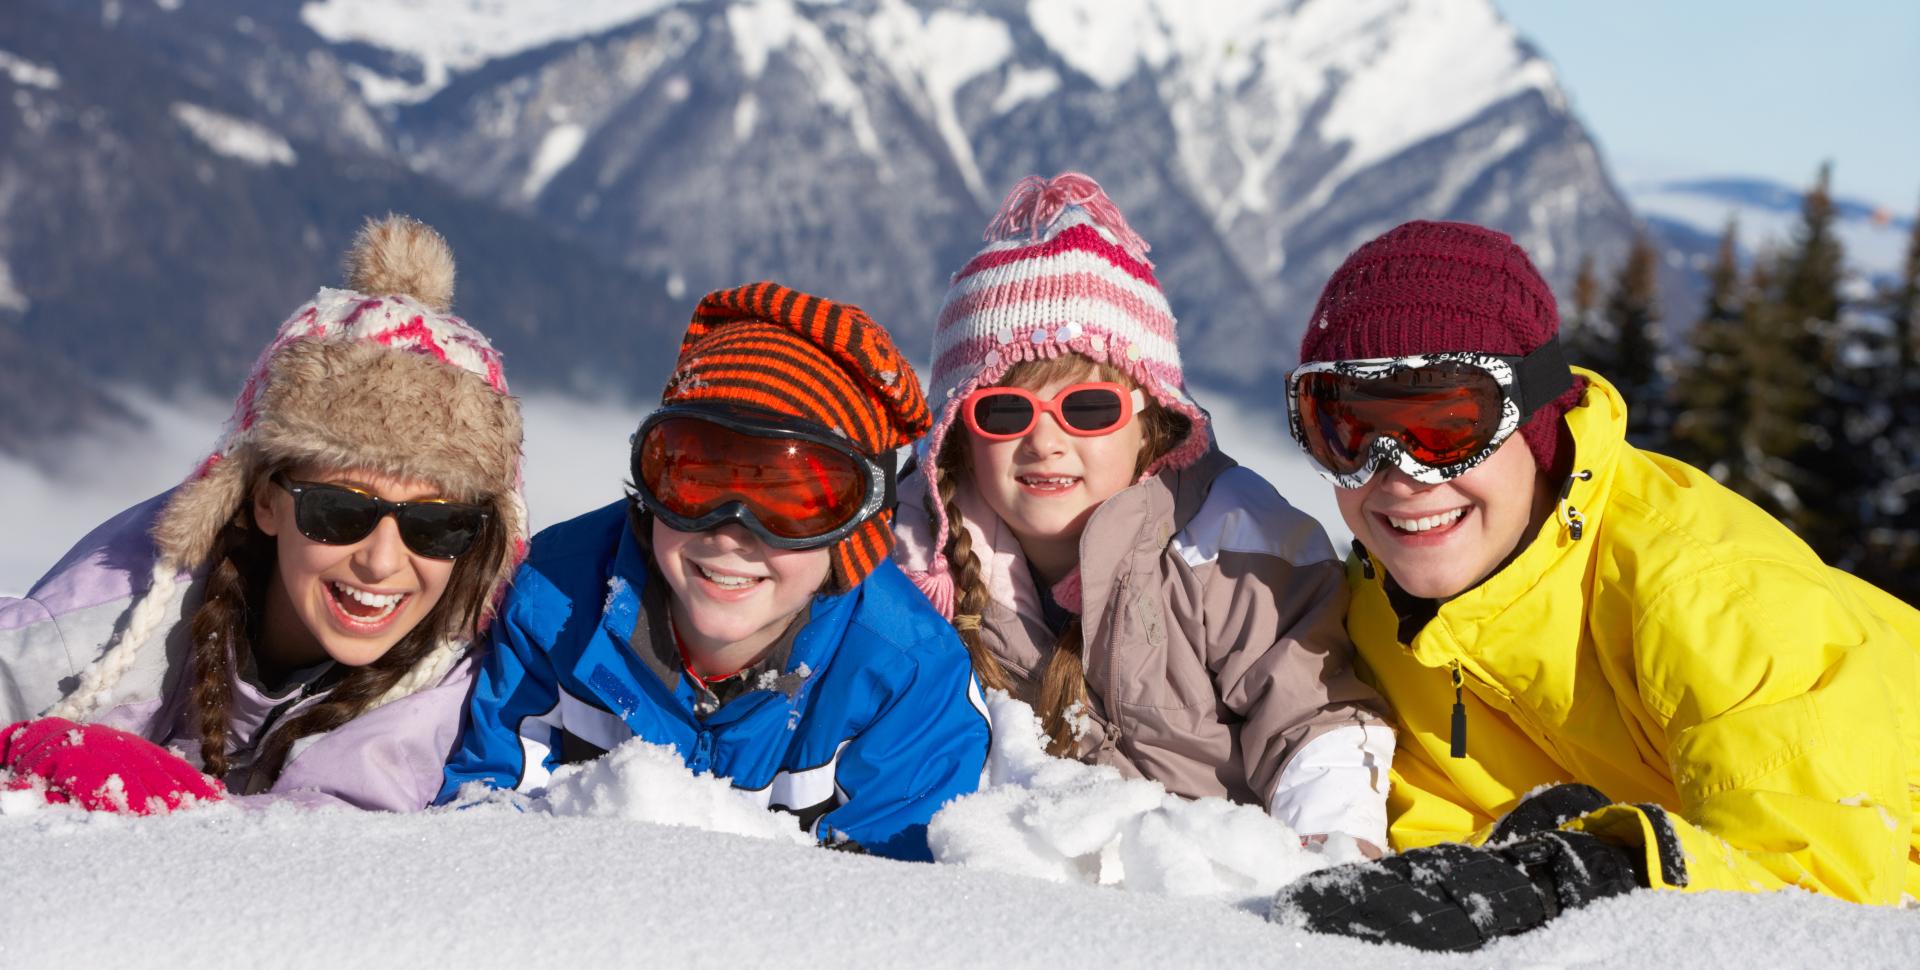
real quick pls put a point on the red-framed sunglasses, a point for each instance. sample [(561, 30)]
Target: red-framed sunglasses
[(1085, 410)]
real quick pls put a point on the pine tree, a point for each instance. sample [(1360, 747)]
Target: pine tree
[(1709, 395), (1812, 467), (1906, 305), (1889, 527), (1633, 316), (1586, 338)]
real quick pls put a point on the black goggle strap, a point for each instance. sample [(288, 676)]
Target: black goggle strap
[(1540, 377)]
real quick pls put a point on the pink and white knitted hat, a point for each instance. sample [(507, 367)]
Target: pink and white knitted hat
[(380, 377), (1062, 273)]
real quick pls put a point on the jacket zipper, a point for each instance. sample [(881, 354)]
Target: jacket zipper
[(1576, 523), (1457, 740)]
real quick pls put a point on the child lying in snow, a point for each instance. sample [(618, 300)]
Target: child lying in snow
[(336, 554), (741, 606), (1646, 679), (1164, 610)]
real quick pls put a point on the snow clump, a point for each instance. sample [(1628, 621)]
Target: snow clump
[(1064, 821)]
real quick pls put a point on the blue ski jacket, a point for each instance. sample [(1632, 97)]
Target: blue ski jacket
[(875, 723)]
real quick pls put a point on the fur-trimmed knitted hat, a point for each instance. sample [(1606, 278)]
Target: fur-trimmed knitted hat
[(1435, 287), (379, 377), (1062, 273), (778, 349)]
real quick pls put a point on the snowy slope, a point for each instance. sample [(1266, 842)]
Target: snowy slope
[(619, 883)]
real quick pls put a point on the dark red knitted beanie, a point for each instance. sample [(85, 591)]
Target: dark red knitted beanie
[(1433, 287)]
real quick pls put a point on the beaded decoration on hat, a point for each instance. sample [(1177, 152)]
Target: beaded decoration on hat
[(1062, 273)]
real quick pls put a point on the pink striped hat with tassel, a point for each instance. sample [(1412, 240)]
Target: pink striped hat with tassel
[(1062, 273)]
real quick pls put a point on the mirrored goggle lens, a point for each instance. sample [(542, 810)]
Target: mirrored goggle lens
[(1442, 415), (342, 516), (1011, 413), (796, 489)]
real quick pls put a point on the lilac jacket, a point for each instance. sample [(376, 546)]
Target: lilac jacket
[(389, 758)]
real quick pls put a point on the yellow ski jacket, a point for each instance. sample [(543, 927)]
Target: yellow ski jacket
[(1753, 713)]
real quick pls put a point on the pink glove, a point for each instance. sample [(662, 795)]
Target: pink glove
[(99, 768)]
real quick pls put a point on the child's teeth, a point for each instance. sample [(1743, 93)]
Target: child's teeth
[(384, 602), (732, 582), (1425, 523), (369, 600)]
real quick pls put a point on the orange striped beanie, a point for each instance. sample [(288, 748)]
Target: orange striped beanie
[(777, 349)]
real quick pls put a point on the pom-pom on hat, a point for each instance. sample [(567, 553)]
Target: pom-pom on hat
[(777, 349), (1434, 287), (378, 377), (1062, 273)]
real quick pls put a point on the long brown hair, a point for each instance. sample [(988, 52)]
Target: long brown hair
[(237, 584), (1063, 685)]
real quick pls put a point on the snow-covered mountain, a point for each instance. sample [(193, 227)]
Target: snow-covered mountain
[(856, 147)]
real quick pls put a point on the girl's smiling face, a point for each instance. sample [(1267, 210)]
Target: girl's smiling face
[(348, 603), (1438, 541), (1046, 485)]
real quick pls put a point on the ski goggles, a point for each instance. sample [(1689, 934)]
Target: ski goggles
[(1433, 416), (340, 515), (1086, 410), (793, 483)]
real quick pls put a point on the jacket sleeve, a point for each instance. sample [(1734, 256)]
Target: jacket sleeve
[(34, 659), (1788, 715), (926, 747), (1311, 735), (508, 735)]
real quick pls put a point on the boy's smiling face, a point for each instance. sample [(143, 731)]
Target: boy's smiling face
[(733, 595), (1438, 541)]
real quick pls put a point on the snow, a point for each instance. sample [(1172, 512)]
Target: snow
[(234, 137), (10, 296), (1024, 85), (762, 27), (1441, 63), (1064, 821), (27, 74), (641, 782), (939, 55), (633, 865), (557, 150), (451, 36), (1107, 40)]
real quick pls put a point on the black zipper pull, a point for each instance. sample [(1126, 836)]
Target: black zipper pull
[(1366, 561), (1459, 737)]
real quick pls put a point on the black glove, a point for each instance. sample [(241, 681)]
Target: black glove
[(1544, 811), (1458, 897)]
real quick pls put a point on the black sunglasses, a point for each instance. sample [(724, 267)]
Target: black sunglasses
[(338, 515)]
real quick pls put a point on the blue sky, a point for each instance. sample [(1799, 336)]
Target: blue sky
[(1763, 87)]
